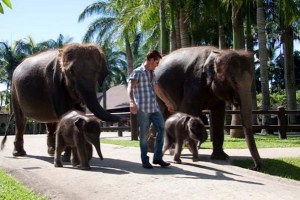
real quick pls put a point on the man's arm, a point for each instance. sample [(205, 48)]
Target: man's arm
[(132, 105), (169, 103)]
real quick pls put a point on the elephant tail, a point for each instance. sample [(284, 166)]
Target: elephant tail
[(6, 132)]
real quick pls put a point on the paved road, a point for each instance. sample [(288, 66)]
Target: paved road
[(120, 175)]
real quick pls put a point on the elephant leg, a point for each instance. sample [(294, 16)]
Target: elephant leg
[(178, 149), (217, 131), (193, 148), (51, 138), (67, 155), (20, 128), (74, 159), (89, 151), (60, 146), (82, 153), (167, 143)]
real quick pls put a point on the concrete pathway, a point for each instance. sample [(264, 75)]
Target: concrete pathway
[(120, 175)]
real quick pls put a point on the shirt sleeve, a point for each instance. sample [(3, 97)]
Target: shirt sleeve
[(134, 75)]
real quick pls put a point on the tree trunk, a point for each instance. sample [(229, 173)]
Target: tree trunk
[(249, 47), (177, 29), (173, 44), (289, 72), (133, 118), (222, 43), (263, 58), (163, 30), (238, 43), (184, 35), (129, 55)]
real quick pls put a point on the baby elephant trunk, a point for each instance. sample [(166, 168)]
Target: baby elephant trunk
[(98, 149)]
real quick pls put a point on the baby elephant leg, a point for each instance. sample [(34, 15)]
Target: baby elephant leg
[(89, 151), (178, 149), (58, 150), (74, 158), (193, 148)]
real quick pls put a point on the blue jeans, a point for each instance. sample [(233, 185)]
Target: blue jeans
[(144, 120)]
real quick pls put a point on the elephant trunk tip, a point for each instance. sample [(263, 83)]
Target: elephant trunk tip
[(3, 143)]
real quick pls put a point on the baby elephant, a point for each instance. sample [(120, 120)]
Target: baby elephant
[(180, 127), (80, 132)]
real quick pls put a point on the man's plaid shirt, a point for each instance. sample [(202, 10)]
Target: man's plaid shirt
[(143, 93)]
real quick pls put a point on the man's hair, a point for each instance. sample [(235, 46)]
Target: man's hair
[(153, 54)]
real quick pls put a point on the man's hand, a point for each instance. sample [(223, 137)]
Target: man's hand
[(133, 108), (171, 107)]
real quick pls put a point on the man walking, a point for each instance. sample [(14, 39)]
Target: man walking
[(142, 90)]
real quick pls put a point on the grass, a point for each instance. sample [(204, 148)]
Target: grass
[(283, 167), (262, 141), (12, 189)]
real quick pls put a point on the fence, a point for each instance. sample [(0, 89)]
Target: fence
[(281, 114)]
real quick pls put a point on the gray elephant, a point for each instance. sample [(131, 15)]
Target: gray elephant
[(80, 132), (182, 127), (199, 78), (49, 84)]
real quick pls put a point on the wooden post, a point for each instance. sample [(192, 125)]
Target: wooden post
[(120, 132), (282, 122), (134, 127)]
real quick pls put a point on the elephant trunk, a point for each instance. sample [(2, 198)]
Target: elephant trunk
[(90, 99), (246, 113), (96, 144)]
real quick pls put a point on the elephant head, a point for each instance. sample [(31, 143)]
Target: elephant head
[(196, 129), (83, 66), (90, 127), (230, 76)]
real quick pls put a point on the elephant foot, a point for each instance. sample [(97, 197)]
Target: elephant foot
[(58, 165), (85, 167), (75, 162), (220, 155), (51, 151), (19, 152), (196, 159), (177, 161)]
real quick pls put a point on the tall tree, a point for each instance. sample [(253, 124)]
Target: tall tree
[(163, 29), (289, 11), (11, 57), (263, 58)]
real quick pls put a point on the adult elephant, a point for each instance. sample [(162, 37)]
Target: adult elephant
[(47, 85), (199, 78)]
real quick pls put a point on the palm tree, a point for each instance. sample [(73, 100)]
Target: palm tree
[(11, 57), (163, 31), (263, 59), (289, 13)]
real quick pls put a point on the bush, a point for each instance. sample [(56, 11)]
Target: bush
[(277, 99)]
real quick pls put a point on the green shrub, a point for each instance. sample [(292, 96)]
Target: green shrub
[(277, 99)]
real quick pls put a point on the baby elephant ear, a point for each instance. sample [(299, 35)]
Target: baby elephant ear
[(79, 123), (209, 66)]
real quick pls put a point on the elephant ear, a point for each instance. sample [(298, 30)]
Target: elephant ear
[(185, 122), (79, 123), (210, 67)]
